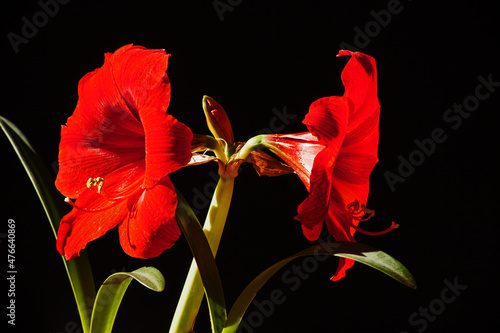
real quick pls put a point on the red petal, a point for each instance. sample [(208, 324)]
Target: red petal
[(344, 265), (150, 227), (101, 135), (359, 78), (358, 155), (313, 210), (168, 146), (327, 119), (105, 131), (312, 233), (297, 150), (78, 228), (140, 75), (356, 161), (338, 221)]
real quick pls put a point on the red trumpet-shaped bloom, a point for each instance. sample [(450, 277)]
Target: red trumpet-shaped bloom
[(116, 153), (335, 158)]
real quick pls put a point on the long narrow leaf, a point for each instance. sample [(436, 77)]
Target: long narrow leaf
[(110, 295), (78, 270), (202, 253), (356, 251)]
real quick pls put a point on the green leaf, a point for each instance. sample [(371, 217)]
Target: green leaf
[(78, 270), (205, 261), (111, 293), (362, 253), (37, 172)]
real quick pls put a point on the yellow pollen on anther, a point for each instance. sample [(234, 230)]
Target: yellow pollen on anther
[(97, 181)]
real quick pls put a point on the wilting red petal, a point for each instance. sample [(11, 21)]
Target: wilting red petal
[(266, 165), (150, 228)]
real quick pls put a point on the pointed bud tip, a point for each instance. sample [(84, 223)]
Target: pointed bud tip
[(217, 119)]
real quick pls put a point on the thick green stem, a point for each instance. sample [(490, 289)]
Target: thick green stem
[(192, 293)]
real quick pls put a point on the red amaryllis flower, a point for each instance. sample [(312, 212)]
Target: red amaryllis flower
[(335, 158), (115, 155)]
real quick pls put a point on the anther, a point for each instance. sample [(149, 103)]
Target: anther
[(98, 181), (358, 213)]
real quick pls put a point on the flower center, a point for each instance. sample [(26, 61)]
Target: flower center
[(358, 212)]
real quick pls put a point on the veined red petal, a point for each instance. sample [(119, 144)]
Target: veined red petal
[(94, 213), (79, 228), (312, 233), (359, 78), (297, 150), (338, 221), (101, 135), (358, 155), (124, 181), (140, 75), (313, 210), (327, 119), (150, 227), (116, 152), (168, 146)]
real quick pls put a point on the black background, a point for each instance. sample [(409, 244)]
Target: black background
[(267, 55)]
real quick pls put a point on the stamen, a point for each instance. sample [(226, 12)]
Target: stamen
[(98, 181), (357, 213), (375, 233), (87, 210), (354, 204)]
